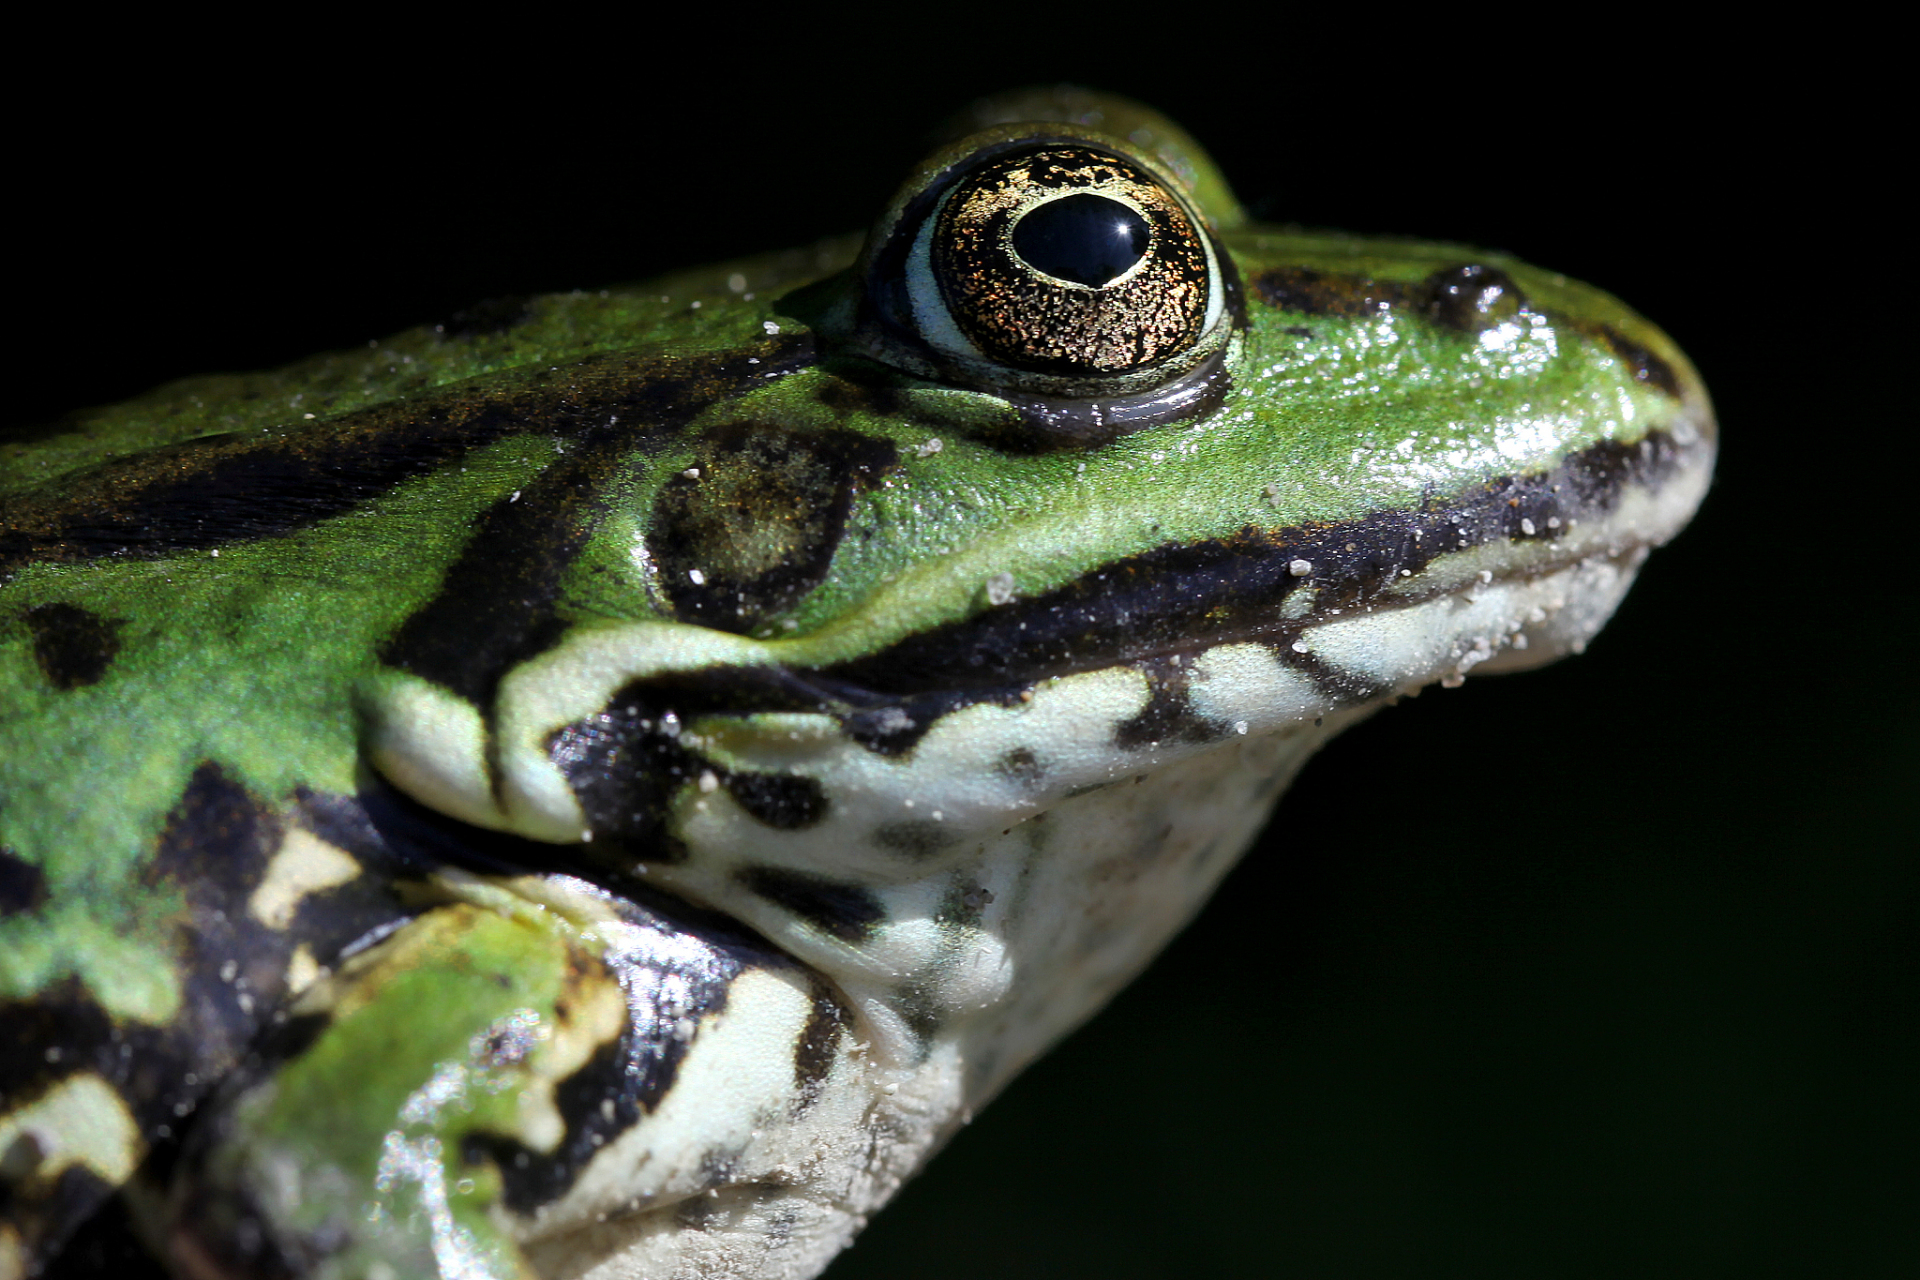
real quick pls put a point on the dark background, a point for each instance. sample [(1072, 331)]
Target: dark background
[(1609, 969)]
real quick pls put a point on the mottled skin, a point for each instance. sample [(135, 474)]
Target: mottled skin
[(604, 785)]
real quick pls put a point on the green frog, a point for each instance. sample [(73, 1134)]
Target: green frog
[(605, 785)]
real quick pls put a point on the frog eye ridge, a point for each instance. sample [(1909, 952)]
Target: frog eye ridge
[(1066, 261)]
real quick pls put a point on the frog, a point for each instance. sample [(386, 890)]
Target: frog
[(607, 784)]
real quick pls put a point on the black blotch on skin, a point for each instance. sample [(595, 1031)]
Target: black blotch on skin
[(1642, 363), (844, 911), (106, 1244), (1457, 298), (1168, 716), (213, 852), (581, 1099), (761, 521), (483, 319), (496, 605), (143, 1064), (1316, 293), (818, 1047), (1022, 767), (73, 646), (23, 886), (227, 488), (915, 837), (1472, 298), (624, 765), (919, 1008), (294, 1036), (962, 904), (783, 801), (1333, 683), (216, 843), (64, 1019)]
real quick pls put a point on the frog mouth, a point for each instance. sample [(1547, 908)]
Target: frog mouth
[(1260, 631), (1279, 587)]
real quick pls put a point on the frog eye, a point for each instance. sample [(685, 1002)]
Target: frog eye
[(1064, 261), (1054, 267)]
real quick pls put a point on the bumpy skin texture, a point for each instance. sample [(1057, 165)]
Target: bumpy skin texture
[(604, 785)]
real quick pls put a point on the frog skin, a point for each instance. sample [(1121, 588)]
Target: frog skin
[(606, 785)]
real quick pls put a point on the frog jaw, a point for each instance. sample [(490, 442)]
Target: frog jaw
[(892, 838)]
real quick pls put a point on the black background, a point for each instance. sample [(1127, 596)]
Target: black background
[(1607, 969)]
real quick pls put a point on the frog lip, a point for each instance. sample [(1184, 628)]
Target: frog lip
[(1250, 584)]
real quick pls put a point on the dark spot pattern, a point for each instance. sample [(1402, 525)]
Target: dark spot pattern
[(143, 1064), (110, 1245), (1472, 298), (915, 838), (1307, 292), (783, 801), (1468, 298), (23, 886), (598, 1103), (228, 488), (74, 647), (624, 765), (751, 527), (844, 911), (1022, 767), (496, 605), (1640, 361), (212, 854), (818, 1047), (920, 1007), (214, 847), (626, 762), (1335, 684), (674, 971), (1168, 716)]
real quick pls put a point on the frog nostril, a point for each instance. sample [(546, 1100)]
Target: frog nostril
[(1084, 238)]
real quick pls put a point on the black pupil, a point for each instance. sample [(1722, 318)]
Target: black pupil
[(1087, 239)]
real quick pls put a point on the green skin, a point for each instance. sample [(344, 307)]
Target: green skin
[(258, 655)]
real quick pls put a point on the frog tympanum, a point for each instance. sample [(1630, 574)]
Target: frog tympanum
[(605, 785)]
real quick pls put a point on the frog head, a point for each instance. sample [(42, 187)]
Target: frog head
[(1070, 490)]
